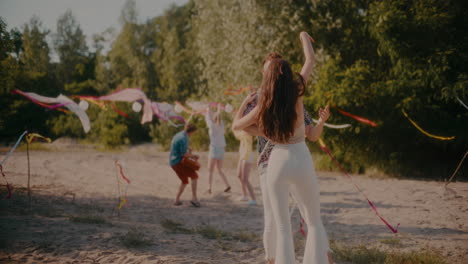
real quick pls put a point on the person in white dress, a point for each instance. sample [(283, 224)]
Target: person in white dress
[(278, 117)]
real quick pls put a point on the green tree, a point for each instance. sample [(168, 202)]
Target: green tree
[(35, 55), (385, 56), (175, 55), (70, 45)]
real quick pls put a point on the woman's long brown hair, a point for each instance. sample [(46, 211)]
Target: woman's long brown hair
[(277, 105)]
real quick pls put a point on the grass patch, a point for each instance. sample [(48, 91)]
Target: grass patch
[(175, 227), (245, 236), (364, 255), (212, 233), (89, 219), (395, 242), (208, 231), (135, 239)]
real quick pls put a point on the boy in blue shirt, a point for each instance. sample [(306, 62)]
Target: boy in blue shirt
[(179, 147)]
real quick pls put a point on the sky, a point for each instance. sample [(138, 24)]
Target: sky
[(94, 16)]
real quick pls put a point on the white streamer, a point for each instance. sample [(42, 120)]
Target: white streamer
[(461, 102), (334, 126), (13, 148)]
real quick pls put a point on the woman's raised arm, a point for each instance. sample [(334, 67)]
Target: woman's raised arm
[(241, 122), (309, 54)]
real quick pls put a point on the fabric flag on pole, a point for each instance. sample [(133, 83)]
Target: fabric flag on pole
[(30, 137), (131, 95), (165, 112), (60, 100)]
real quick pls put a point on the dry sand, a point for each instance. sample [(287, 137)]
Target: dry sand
[(82, 182)]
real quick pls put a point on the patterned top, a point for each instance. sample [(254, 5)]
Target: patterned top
[(262, 142)]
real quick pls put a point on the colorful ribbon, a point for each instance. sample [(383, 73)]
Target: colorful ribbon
[(165, 112), (43, 101), (333, 126), (131, 95), (122, 198), (324, 148), (185, 109), (424, 132), (93, 100), (13, 148), (358, 118), (237, 91), (30, 137), (301, 227), (62, 101), (118, 111), (121, 171)]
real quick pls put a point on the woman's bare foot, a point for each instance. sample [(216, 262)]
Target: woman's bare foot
[(271, 261)]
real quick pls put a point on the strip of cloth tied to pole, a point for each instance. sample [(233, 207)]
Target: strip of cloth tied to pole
[(8, 185), (121, 180)]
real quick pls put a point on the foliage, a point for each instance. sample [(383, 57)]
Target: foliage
[(386, 56), (364, 255), (374, 58)]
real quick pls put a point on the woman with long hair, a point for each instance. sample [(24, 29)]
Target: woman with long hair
[(217, 144), (278, 117)]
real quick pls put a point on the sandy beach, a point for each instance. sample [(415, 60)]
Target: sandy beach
[(73, 186)]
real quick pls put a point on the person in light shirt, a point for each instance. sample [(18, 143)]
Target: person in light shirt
[(217, 144)]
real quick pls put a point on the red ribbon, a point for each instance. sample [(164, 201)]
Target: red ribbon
[(118, 111), (394, 229), (301, 227), (121, 171), (358, 118), (8, 186)]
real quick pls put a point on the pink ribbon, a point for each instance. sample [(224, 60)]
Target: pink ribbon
[(51, 107), (394, 229)]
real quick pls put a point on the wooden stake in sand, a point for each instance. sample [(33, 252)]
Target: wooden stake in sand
[(29, 173), (456, 170), (118, 188)]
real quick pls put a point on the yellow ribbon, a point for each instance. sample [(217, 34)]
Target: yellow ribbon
[(101, 104), (424, 132), (30, 137), (238, 91), (320, 141), (123, 201)]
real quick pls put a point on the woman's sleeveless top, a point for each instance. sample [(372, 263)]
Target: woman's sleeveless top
[(299, 135)]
